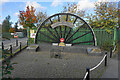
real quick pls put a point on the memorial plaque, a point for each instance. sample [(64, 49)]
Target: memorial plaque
[(62, 23), (62, 42)]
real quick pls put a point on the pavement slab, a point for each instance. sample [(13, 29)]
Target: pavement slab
[(41, 65)]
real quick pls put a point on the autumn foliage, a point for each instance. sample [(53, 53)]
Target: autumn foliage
[(12, 30), (105, 16), (28, 18)]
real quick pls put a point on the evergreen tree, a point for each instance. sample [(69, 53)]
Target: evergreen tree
[(16, 26), (6, 24)]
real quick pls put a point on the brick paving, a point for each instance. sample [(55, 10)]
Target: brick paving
[(40, 65)]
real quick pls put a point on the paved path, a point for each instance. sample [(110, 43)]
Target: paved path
[(112, 69), (40, 65), (12, 42)]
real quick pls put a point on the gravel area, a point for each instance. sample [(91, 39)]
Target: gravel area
[(41, 65)]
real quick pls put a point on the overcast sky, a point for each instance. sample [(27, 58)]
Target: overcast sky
[(12, 7)]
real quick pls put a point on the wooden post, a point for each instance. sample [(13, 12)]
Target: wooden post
[(20, 46), (110, 52), (16, 42), (106, 60), (10, 50), (2, 46), (27, 42), (88, 76)]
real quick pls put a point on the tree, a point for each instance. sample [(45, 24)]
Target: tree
[(105, 16), (73, 8), (16, 26), (41, 16), (12, 30), (28, 18), (119, 15), (6, 24)]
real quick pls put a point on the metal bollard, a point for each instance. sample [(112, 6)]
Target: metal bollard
[(88, 76), (27, 42), (2, 46), (20, 46), (110, 52), (16, 42), (10, 50), (106, 60)]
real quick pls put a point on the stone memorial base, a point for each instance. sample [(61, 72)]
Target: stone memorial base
[(33, 47), (94, 51)]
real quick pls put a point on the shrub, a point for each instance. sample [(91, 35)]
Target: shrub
[(106, 45)]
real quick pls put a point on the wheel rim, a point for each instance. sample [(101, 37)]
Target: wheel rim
[(68, 26)]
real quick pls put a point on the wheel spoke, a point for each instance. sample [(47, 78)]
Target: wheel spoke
[(80, 36), (52, 33), (64, 32), (60, 27), (60, 31), (58, 18), (48, 36), (68, 34), (67, 17), (65, 26), (55, 30), (75, 32), (51, 21), (57, 33), (75, 20)]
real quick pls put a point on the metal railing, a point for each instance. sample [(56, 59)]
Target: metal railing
[(87, 74), (13, 50)]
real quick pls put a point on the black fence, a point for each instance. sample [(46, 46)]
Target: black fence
[(13, 50)]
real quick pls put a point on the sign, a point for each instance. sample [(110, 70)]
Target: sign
[(12, 33), (32, 35), (62, 23), (31, 31), (15, 35), (61, 44), (62, 40)]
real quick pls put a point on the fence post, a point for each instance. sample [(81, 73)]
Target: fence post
[(27, 42), (16, 42), (88, 76), (106, 59), (110, 52), (2, 46), (20, 46), (10, 50)]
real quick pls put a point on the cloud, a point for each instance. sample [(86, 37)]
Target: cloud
[(56, 3), (108, 0), (20, 26), (3, 1), (35, 5), (1, 20), (12, 25), (85, 4), (16, 14)]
